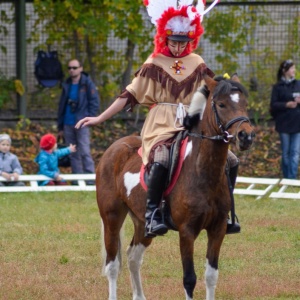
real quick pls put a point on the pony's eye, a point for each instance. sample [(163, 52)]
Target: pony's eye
[(221, 105)]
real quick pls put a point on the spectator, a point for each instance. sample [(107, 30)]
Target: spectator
[(48, 157), (285, 109), (166, 83), (79, 99), (10, 167)]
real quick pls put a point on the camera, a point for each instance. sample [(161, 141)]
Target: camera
[(73, 104)]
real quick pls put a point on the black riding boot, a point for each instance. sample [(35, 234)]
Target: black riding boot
[(232, 223), (156, 185)]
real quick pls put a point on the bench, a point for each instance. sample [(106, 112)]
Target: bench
[(287, 189), (34, 187)]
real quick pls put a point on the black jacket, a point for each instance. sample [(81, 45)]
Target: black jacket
[(88, 100), (287, 120)]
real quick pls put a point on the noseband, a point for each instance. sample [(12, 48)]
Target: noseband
[(225, 136)]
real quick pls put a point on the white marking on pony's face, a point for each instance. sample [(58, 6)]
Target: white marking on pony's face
[(211, 279), (235, 97), (188, 149), (130, 181)]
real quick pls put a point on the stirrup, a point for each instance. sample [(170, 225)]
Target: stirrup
[(154, 227), (154, 230), (233, 228)]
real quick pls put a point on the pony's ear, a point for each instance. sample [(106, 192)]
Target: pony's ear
[(234, 77), (210, 82)]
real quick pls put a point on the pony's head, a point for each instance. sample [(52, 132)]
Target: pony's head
[(225, 115)]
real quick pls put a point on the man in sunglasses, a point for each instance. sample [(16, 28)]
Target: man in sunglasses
[(79, 99)]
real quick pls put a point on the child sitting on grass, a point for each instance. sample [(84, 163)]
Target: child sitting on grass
[(10, 167), (48, 157)]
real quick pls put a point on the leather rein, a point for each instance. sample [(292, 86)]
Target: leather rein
[(225, 136)]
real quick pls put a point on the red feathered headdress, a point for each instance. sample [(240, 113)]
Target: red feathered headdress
[(178, 23)]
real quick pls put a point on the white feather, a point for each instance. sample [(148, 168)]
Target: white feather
[(157, 7), (199, 6), (211, 6), (179, 24), (185, 2)]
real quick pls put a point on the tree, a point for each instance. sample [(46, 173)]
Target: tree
[(84, 29)]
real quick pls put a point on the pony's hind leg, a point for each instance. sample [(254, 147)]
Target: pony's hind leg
[(112, 223), (135, 257), (135, 253)]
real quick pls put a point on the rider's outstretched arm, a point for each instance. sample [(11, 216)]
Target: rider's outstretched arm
[(116, 107)]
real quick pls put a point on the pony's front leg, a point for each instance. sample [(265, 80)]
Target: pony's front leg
[(187, 258), (211, 270), (135, 258), (211, 279)]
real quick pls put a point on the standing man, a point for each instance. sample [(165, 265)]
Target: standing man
[(79, 99)]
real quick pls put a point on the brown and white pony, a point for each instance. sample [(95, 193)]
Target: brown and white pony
[(200, 200)]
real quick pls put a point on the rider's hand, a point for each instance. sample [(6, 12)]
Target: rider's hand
[(87, 121)]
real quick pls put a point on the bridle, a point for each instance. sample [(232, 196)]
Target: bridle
[(225, 136)]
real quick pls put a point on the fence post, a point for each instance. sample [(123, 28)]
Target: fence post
[(20, 28)]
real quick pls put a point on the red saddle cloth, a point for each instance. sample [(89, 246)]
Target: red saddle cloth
[(176, 172)]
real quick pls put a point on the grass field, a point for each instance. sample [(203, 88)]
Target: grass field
[(50, 249)]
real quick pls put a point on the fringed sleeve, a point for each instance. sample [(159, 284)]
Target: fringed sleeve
[(131, 101)]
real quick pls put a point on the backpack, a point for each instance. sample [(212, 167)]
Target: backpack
[(48, 69)]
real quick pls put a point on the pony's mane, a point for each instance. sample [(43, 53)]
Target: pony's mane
[(224, 87)]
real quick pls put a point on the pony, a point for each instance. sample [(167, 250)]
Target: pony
[(200, 199)]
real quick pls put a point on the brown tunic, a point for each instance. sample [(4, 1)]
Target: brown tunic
[(159, 86)]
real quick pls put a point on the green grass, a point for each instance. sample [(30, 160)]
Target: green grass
[(50, 249)]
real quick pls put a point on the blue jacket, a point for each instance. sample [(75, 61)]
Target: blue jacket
[(48, 163), (287, 120), (88, 100)]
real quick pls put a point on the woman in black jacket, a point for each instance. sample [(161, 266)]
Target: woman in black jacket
[(285, 110)]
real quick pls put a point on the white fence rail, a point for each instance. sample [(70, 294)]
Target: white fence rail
[(34, 187), (255, 186), (259, 187), (290, 189)]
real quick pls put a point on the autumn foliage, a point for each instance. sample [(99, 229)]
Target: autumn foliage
[(262, 160)]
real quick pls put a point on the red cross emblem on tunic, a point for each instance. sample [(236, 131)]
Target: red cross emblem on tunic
[(177, 67)]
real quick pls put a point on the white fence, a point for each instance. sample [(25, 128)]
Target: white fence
[(34, 187), (259, 187), (271, 187)]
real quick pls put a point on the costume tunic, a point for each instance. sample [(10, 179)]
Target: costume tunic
[(166, 85)]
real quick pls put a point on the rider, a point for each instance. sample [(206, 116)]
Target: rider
[(165, 83)]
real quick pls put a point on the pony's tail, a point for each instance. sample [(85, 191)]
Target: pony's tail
[(103, 250)]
